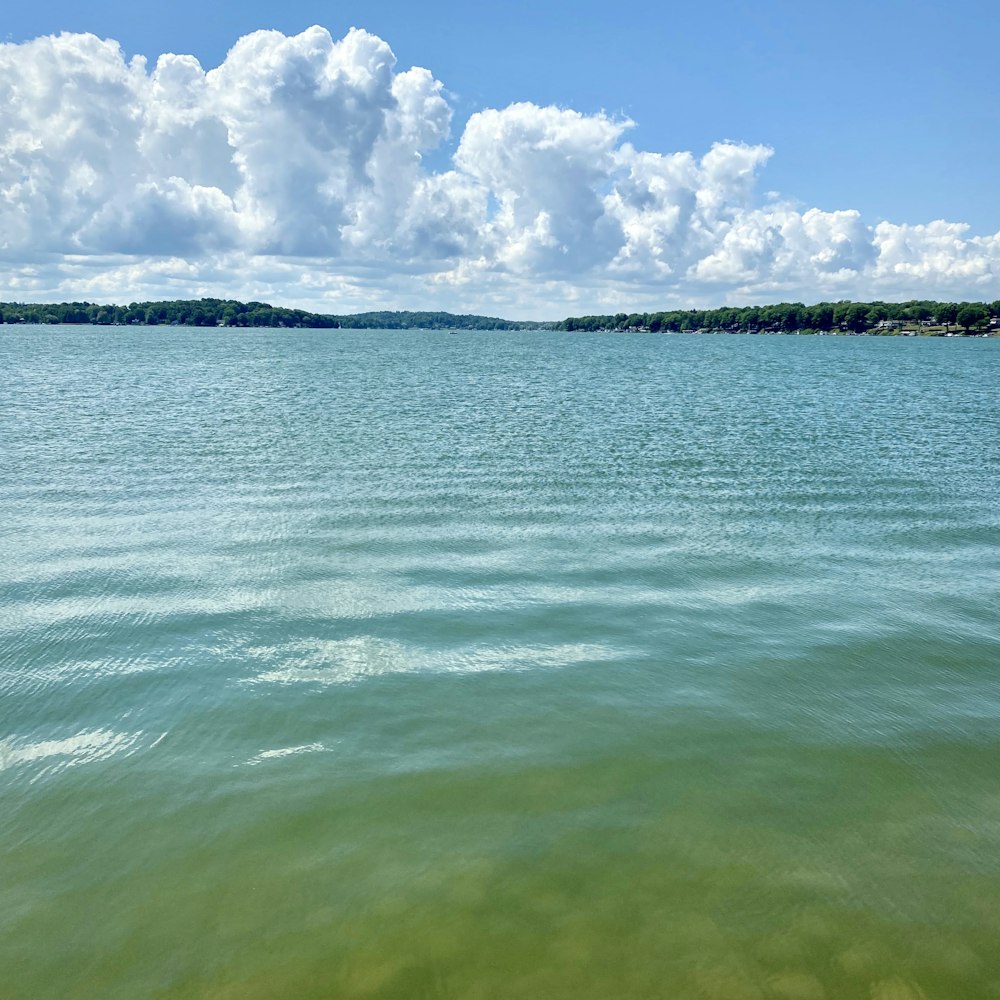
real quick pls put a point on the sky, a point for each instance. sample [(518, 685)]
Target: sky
[(527, 159)]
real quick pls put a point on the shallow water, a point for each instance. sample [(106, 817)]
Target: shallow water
[(346, 665)]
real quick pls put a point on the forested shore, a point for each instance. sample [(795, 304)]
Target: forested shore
[(916, 317), (228, 312), (919, 317)]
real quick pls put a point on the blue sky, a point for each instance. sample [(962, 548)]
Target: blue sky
[(886, 109)]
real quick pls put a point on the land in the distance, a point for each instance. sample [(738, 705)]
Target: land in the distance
[(228, 312), (914, 318)]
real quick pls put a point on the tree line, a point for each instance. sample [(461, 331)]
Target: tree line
[(784, 317), (795, 317), (228, 312)]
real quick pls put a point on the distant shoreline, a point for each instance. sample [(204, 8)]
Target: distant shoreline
[(916, 318)]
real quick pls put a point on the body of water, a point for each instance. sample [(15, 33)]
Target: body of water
[(493, 665)]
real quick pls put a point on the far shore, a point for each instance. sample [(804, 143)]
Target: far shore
[(923, 318)]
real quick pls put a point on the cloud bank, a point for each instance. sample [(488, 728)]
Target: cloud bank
[(296, 172)]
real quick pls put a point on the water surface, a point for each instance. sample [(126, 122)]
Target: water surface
[(486, 665)]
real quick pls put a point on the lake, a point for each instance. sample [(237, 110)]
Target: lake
[(498, 665)]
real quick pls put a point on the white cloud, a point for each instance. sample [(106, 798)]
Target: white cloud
[(303, 116), (417, 120), (677, 210), (939, 254), (179, 217), (182, 135), (544, 167), (296, 171), (70, 113)]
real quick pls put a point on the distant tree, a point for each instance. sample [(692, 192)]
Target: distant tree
[(877, 312), (946, 313), (857, 317), (794, 317), (820, 317), (971, 315)]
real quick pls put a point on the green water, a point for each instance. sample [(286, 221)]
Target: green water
[(341, 665)]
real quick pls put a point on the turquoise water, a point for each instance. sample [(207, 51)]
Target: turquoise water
[(340, 665)]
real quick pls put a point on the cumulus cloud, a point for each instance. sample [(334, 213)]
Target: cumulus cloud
[(296, 171), (70, 111), (544, 168), (939, 253)]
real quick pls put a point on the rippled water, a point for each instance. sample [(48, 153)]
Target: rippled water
[(346, 665)]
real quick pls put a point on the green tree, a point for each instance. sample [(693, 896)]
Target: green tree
[(946, 313), (877, 312), (857, 317), (971, 315), (820, 317), (793, 318)]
